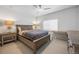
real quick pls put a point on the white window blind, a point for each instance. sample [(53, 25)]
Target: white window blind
[(50, 25)]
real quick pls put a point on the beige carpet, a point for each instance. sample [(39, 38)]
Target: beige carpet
[(54, 47)]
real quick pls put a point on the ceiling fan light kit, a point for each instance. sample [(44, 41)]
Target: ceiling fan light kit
[(41, 7)]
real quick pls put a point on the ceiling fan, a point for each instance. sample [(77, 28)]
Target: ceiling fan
[(41, 7)]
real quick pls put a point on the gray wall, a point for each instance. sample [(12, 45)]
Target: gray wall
[(67, 18)]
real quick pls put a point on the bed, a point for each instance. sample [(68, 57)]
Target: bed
[(32, 38)]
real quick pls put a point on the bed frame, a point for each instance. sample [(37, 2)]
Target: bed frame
[(36, 44)]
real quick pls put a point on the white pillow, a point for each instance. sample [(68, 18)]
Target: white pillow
[(19, 30)]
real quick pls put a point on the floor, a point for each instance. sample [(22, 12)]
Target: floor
[(54, 47)]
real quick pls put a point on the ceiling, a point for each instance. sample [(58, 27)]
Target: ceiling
[(30, 10)]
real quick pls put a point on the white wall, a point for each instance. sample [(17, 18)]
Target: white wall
[(6, 13), (25, 20), (67, 18), (78, 18), (20, 18)]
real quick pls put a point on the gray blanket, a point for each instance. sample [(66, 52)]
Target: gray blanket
[(35, 34)]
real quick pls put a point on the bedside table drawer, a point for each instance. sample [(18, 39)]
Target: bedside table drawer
[(8, 37)]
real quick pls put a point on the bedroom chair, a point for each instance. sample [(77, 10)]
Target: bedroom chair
[(74, 41), (61, 35)]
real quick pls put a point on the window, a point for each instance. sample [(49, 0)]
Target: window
[(50, 25)]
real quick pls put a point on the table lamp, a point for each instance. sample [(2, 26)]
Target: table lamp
[(35, 24), (9, 24)]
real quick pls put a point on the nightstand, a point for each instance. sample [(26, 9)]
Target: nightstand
[(7, 37)]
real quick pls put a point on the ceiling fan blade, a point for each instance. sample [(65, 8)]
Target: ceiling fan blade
[(40, 7), (47, 8), (37, 6)]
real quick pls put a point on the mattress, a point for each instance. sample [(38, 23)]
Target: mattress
[(34, 34)]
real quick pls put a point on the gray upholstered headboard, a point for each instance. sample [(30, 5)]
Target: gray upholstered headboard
[(24, 27)]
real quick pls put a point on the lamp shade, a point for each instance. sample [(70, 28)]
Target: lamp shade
[(9, 23), (34, 22)]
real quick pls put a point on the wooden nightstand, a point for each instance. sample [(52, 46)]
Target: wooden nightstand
[(7, 37)]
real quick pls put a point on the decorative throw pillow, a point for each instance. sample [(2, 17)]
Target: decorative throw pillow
[(19, 30)]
